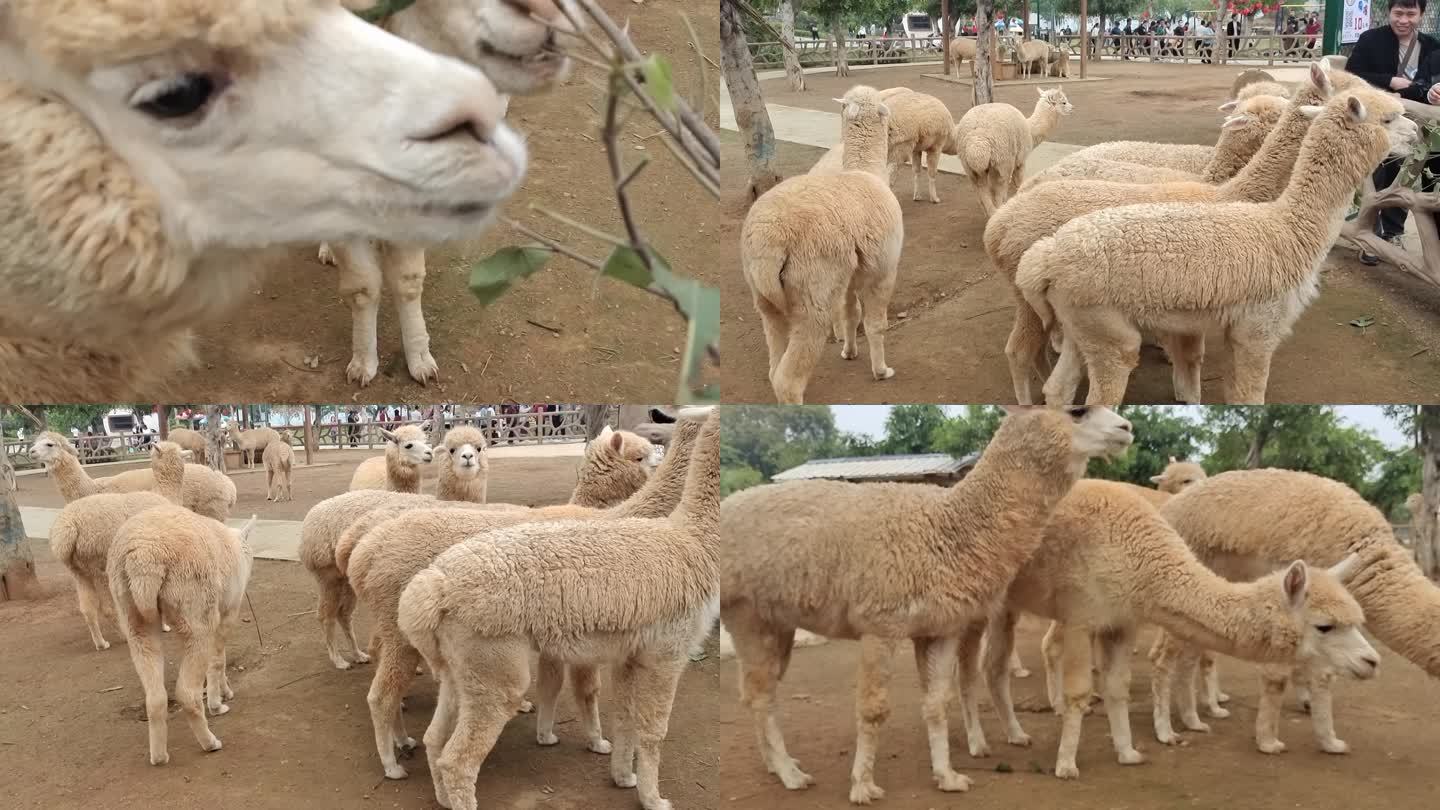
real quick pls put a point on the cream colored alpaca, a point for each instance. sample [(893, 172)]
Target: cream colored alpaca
[(1250, 267), (514, 43), (823, 248), (251, 443), (1244, 523), (192, 440), (279, 458), (121, 119), (398, 470), (464, 465), (962, 48), (1109, 561), (995, 139), (633, 593), (899, 561), (389, 549), (919, 125), (1030, 53), (205, 491), (82, 533), (614, 468), (192, 569)]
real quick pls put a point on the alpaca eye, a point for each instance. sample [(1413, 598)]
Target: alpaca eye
[(409, 446), (1324, 628), (175, 98), (1078, 413)]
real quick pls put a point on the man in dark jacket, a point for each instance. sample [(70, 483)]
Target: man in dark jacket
[(1395, 58)]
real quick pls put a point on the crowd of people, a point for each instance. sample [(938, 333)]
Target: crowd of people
[(1160, 38)]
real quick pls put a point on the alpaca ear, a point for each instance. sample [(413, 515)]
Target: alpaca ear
[(604, 434), (247, 528), (1311, 111), (388, 436), (1236, 121), (186, 455), (1013, 409), (616, 441), (884, 109), (1155, 479), (1356, 108), (1296, 582), (1343, 569), (1229, 106), (1172, 460)]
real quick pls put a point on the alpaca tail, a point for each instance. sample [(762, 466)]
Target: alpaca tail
[(765, 274), (63, 540), (975, 153), (422, 606), (1033, 280), (139, 583), (1402, 606)]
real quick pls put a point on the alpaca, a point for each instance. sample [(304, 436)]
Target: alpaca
[(1030, 53), (1252, 267), (279, 458), (514, 45), (996, 138), (821, 248), (192, 440), (920, 124), (898, 561), (635, 593), (465, 468), (617, 463), (1109, 560), (399, 469), (389, 552), (171, 561), (84, 530), (961, 49), (1244, 523), (204, 491), (251, 443), (117, 244)]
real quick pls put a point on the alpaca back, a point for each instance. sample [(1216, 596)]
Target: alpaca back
[(84, 530)]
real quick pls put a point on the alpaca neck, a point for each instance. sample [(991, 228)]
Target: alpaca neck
[(452, 487), (1402, 607), (867, 148), (661, 494), (400, 475), (1331, 165), (606, 480), (71, 478), (1267, 174), (1042, 122), (1244, 620), (169, 480), (700, 501), (1230, 157)]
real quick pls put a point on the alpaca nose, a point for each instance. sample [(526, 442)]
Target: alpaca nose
[(1371, 661), (475, 117), (429, 455), (467, 456)]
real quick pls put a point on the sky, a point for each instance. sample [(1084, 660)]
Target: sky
[(870, 420)]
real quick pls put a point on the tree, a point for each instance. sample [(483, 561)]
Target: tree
[(968, 432), (771, 438), (214, 439), (1160, 433), (1427, 523), (17, 567), (750, 114), (1309, 438), (1398, 478), (911, 428), (793, 72), (983, 89)]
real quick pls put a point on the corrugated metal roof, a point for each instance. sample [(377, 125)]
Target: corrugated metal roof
[(881, 467)]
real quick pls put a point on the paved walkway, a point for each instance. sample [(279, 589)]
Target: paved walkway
[(271, 539)]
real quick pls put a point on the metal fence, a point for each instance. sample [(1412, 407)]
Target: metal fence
[(548, 427)]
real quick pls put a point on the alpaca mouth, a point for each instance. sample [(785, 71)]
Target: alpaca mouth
[(539, 57), (465, 210)]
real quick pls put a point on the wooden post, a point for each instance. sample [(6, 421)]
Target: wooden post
[(1024, 20), (309, 435), (214, 439), (1085, 39), (162, 415), (945, 34)]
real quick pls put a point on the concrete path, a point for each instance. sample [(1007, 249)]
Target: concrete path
[(271, 539)]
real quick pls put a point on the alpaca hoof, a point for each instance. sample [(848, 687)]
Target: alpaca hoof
[(934, 199), (1020, 673), (423, 368), (362, 370), (865, 792), (793, 778), (1272, 747), (624, 780), (1022, 740), (396, 771), (659, 804), (219, 710), (546, 738), (1167, 738), (227, 692), (888, 373), (164, 628), (980, 751), (1221, 697), (1335, 746), (326, 255), (340, 663), (916, 197), (160, 759), (361, 658), (1197, 725), (1305, 706), (526, 707), (600, 746), (102, 644), (1218, 713), (407, 744), (952, 782), (849, 352), (213, 745), (1067, 772), (1131, 757)]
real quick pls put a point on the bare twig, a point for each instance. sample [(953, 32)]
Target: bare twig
[(579, 226), (255, 620), (558, 247), (554, 329)]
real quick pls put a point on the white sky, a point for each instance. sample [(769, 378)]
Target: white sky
[(870, 420)]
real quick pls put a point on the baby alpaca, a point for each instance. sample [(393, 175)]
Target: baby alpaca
[(996, 138), (279, 457), (251, 443), (192, 569), (823, 248), (398, 470)]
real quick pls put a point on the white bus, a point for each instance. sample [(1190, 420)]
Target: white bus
[(918, 25)]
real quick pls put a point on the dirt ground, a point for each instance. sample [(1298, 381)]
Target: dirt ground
[(298, 734), (614, 343), (528, 481), (951, 313), (1390, 723)]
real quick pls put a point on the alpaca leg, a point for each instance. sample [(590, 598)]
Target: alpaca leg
[(847, 326), (326, 257), (1017, 667), (807, 341), (651, 694), (1017, 178), (198, 653), (1210, 677), (1300, 676), (149, 662), (217, 688), (1322, 713), (1250, 351), (490, 681), (777, 332), (360, 280), (1187, 356), (1110, 347), (90, 608), (331, 596), (1077, 684), (442, 726), (1189, 714), (875, 284), (872, 709), (999, 639), (1273, 680), (1024, 349), (405, 276), (967, 670), (761, 652), (932, 166), (347, 630), (1064, 381), (394, 671), (935, 660), (1162, 675), (1116, 645), (915, 169), (1052, 646), (585, 689), (548, 682)]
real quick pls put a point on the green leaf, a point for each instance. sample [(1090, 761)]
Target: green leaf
[(658, 81), (1363, 322), (383, 9), (626, 265), (492, 276)]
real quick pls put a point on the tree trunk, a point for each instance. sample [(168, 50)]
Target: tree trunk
[(750, 114), (214, 439), (1426, 525), (1257, 445), (837, 35), (17, 567), (309, 434), (983, 87), (793, 72), (595, 416), (946, 33), (162, 415)]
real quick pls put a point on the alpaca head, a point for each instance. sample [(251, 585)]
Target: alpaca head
[(1178, 475), (1248, 122), (513, 42), (464, 451), (1328, 618), (862, 110), (49, 446), (254, 123), (620, 446), (170, 457), (1368, 116), (409, 445), (1055, 99), (1092, 430)]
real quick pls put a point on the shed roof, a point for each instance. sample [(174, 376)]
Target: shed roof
[(879, 467)]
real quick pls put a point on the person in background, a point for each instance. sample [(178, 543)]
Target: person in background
[(1312, 30), (1390, 58)]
